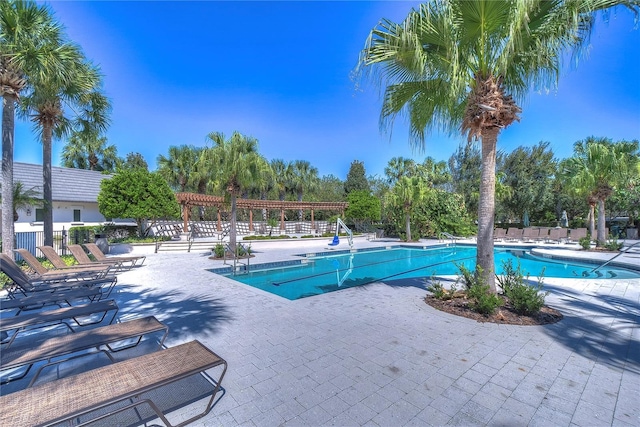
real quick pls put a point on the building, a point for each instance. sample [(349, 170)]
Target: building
[(75, 197)]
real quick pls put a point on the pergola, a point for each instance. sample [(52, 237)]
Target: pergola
[(189, 200)]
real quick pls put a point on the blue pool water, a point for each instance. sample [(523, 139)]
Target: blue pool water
[(322, 274)]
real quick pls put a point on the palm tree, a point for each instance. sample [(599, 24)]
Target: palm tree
[(283, 175), (46, 105), (90, 151), (235, 164), (399, 167), (30, 41), (304, 178), (180, 167), (596, 168), (456, 66), (23, 198), (406, 194)]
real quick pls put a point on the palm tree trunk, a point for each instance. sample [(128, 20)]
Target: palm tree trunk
[(232, 225), (486, 206), (8, 123), (592, 221), (47, 187), (407, 219), (601, 224)]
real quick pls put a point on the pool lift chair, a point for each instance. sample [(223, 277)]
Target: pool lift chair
[(336, 238)]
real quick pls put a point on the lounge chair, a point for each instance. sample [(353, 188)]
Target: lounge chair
[(576, 234), (124, 382), (44, 348), (100, 256), (43, 299), (543, 234), (499, 234), (64, 315), (83, 259), (32, 261), (557, 235), (58, 263), (514, 234), (23, 284), (530, 234)]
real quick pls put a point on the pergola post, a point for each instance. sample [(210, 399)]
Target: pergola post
[(312, 225), (185, 217), (219, 221), (282, 219), (250, 219)]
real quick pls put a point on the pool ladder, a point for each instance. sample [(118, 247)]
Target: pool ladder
[(237, 266), (622, 252)]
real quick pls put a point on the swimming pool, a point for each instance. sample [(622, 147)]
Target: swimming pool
[(327, 273)]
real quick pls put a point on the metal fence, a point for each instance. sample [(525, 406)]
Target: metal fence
[(30, 240)]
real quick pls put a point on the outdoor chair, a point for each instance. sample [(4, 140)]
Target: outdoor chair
[(125, 383), (83, 259), (100, 256), (530, 234), (514, 234), (44, 299), (557, 235), (108, 340), (32, 261), (576, 234), (58, 316), (499, 234), (57, 261), (23, 284), (543, 234)]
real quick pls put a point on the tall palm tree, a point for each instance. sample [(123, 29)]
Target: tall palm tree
[(406, 194), (304, 178), (283, 175), (48, 106), (595, 169), (399, 167), (89, 150), (30, 41), (460, 66), (235, 164), (180, 168), (23, 198)]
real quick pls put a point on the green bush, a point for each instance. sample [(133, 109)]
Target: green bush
[(585, 242), (525, 299), (482, 299), (613, 245), (218, 250)]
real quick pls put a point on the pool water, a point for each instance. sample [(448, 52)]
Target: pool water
[(322, 274)]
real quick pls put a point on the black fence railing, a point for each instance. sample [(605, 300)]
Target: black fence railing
[(30, 240)]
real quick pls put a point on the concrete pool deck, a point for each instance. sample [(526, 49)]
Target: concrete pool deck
[(377, 355)]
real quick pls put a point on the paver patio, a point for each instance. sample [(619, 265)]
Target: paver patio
[(377, 355)]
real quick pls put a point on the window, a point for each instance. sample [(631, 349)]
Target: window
[(39, 215), (76, 215)]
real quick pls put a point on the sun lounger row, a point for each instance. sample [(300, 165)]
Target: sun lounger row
[(539, 234), (126, 387)]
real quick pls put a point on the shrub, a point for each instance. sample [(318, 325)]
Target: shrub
[(482, 299), (437, 290), (613, 245), (585, 242), (525, 299), (218, 250)]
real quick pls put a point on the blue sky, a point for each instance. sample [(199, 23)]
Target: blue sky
[(280, 72)]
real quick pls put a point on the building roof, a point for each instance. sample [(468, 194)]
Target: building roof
[(68, 185)]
